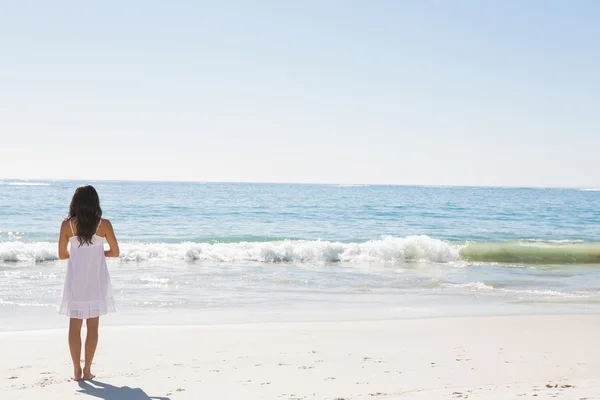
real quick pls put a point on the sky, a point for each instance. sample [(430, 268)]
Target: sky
[(481, 92)]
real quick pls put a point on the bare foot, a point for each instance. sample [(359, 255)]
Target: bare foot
[(87, 375), (77, 374)]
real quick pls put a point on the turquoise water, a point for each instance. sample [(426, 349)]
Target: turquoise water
[(210, 246), (175, 212)]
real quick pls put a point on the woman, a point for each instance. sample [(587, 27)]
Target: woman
[(87, 292)]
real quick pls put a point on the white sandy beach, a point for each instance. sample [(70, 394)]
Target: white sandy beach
[(443, 358)]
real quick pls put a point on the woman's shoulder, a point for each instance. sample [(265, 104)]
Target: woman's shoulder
[(105, 221), (104, 226), (66, 227), (65, 224)]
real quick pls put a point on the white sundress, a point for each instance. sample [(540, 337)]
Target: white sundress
[(87, 292)]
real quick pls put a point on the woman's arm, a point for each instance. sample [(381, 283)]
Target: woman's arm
[(111, 239), (63, 241)]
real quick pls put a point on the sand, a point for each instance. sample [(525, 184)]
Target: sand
[(539, 357)]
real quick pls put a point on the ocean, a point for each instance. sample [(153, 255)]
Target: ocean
[(219, 252)]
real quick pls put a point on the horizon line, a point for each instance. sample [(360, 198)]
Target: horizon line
[(299, 183)]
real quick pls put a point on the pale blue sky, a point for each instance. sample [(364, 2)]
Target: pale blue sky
[(441, 92)]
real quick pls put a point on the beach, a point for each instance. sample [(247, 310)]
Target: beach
[(438, 358), (262, 291)]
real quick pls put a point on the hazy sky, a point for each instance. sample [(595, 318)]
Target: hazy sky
[(458, 92)]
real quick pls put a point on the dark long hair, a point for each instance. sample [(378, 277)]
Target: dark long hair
[(85, 208)]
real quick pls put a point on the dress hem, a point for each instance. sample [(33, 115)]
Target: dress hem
[(88, 309)]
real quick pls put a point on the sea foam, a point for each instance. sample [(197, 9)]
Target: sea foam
[(386, 250)]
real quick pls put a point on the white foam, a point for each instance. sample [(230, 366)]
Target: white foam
[(385, 250), (18, 251), (22, 304), (475, 286), (483, 287)]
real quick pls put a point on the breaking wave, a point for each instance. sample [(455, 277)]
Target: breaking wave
[(533, 252), (384, 250)]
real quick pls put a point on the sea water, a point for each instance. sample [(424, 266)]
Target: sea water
[(215, 252)]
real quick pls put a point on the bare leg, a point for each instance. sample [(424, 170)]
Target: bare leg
[(75, 346), (91, 342)]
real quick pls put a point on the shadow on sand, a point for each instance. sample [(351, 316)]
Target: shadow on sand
[(106, 391)]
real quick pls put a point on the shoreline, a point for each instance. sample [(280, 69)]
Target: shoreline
[(489, 357), (18, 320), (268, 323)]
